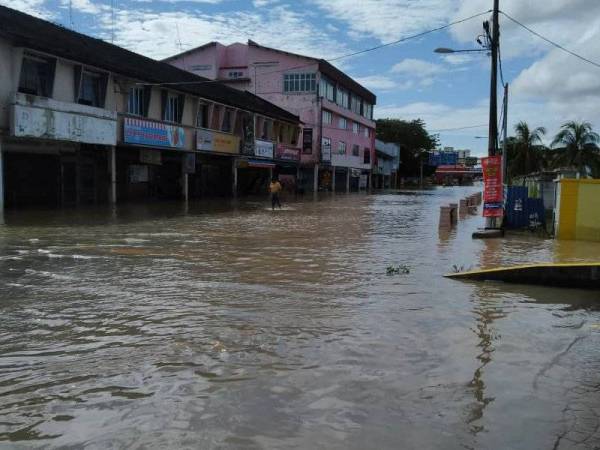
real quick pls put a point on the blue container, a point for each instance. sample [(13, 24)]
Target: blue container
[(522, 211)]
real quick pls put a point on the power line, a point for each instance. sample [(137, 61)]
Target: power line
[(583, 58), (287, 69), (414, 36), (460, 128)]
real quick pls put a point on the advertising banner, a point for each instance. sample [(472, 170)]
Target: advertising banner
[(326, 150), (263, 149), (287, 153), (146, 132), (492, 186), (213, 141)]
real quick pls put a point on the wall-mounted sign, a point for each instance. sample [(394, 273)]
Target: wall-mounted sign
[(146, 132), (326, 149), (213, 141), (492, 186), (307, 140), (263, 149), (63, 126), (150, 157), (287, 153)]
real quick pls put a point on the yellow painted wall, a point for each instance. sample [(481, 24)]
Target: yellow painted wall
[(579, 215)]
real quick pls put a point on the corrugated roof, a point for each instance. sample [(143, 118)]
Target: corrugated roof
[(27, 31)]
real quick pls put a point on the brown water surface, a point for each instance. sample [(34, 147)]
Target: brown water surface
[(225, 325)]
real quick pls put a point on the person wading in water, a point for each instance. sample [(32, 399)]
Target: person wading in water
[(275, 189)]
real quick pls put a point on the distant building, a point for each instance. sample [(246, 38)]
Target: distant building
[(338, 136), (387, 163)]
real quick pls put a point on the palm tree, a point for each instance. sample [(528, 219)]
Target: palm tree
[(526, 150), (578, 146)]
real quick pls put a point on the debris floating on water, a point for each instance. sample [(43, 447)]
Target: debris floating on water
[(397, 270)]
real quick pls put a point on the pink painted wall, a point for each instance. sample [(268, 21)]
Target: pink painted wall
[(266, 68)]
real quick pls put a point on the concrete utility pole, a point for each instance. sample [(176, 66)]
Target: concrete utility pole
[(495, 42), (504, 135)]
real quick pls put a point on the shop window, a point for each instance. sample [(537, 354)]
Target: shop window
[(138, 100), (343, 123), (327, 89), (355, 127), (172, 107), (356, 104), (265, 129), (226, 126), (327, 118), (367, 157), (202, 117), (343, 98), (299, 82), (37, 75), (235, 74), (92, 88)]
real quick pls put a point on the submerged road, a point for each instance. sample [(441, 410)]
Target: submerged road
[(225, 325)]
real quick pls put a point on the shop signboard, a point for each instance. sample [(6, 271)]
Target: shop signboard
[(263, 149), (213, 141), (45, 123), (286, 153), (492, 186), (153, 157), (146, 132), (307, 141)]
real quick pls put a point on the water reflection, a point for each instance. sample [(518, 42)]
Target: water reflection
[(225, 325)]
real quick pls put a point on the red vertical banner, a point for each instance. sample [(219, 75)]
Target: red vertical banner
[(493, 191)]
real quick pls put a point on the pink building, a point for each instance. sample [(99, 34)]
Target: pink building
[(337, 141)]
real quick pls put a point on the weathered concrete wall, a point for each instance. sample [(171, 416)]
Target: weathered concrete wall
[(7, 82), (578, 210)]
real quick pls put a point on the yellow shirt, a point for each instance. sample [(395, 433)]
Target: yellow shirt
[(275, 187)]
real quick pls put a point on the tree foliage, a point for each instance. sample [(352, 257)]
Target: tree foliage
[(413, 139), (577, 147)]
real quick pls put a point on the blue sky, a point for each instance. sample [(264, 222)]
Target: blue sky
[(548, 86)]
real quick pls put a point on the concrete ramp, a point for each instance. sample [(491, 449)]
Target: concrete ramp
[(571, 275)]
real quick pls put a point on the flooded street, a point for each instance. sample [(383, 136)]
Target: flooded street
[(225, 325)]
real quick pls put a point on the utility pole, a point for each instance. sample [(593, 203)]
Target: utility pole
[(505, 136), (495, 42)]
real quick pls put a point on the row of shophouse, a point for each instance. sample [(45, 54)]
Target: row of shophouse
[(84, 121)]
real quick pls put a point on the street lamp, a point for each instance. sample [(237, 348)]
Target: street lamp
[(446, 51)]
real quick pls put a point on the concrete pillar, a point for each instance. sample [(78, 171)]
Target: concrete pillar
[(270, 174), (1, 178), (348, 180), (234, 171), (112, 170), (184, 179), (333, 179), (316, 179)]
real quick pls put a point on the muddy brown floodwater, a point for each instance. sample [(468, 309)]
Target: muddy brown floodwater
[(224, 325)]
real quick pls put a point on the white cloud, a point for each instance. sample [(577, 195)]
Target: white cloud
[(154, 33), (85, 6), (388, 20), (262, 3), (417, 67), (33, 7), (377, 82)]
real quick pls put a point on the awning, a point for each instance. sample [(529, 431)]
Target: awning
[(261, 164)]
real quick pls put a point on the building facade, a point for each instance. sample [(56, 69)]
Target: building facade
[(83, 121), (387, 164), (338, 134)]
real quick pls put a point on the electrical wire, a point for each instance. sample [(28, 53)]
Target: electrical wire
[(414, 36), (348, 55), (555, 44), (460, 128)]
